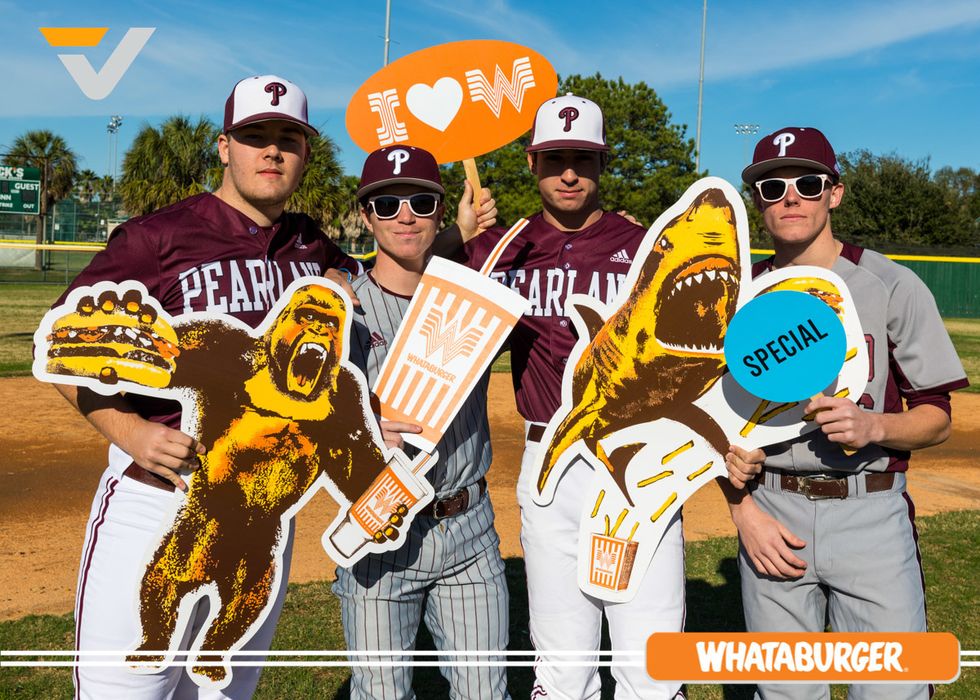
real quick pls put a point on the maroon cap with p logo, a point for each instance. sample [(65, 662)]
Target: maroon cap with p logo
[(393, 165), (263, 98), (794, 145)]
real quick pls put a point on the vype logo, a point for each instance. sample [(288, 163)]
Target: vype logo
[(97, 85)]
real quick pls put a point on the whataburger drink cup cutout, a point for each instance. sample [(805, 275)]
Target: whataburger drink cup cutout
[(456, 323), (457, 100), (785, 346)]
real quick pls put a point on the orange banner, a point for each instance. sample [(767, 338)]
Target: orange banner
[(457, 100), (899, 657)]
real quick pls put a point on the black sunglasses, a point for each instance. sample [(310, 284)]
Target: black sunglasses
[(807, 186), (387, 206)]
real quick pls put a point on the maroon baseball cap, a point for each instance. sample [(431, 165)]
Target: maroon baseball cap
[(793, 145), (264, 98), (394, 165), (568, 121)]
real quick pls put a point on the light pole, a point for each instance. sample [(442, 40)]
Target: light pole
[(747, 130), (697, 145), (112, 129)]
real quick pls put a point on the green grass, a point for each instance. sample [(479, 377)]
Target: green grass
[(965, 333), (21, 309), (311, 620)]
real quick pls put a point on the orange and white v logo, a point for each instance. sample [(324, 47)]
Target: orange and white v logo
[(97, 85), (453, 344)]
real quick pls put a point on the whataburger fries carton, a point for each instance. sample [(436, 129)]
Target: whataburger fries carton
[(456, 323), (612, 561)]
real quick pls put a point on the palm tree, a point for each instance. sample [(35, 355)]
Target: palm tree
[(86, 185), (59, 167), (168, 164), (320, 194)]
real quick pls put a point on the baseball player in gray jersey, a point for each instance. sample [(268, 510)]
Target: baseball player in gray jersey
[(827, 534), (449, 570)]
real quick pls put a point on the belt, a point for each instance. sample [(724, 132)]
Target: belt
[(819, 487), (137, 473), (454, 503), (535, 432)]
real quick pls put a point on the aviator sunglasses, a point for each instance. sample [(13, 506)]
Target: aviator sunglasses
[(774, 189), (387, 206)]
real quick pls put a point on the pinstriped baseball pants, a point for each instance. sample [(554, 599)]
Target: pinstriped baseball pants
[(448, 573)]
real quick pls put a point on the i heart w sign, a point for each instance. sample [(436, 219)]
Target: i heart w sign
[(457, 100)]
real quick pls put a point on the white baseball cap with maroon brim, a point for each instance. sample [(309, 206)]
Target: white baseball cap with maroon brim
[(569, 121), (263, 98)]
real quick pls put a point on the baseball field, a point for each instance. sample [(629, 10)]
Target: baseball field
[(52, 460)]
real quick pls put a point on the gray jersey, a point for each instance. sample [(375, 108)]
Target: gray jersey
[(464, 451), (910, 355)]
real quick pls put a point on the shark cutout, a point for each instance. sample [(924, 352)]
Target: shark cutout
[(282, 412), (647, 400)]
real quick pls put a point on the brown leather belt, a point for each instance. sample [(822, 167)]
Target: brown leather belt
[(535, 432), (453, 504), (817, 488), (137, 473)]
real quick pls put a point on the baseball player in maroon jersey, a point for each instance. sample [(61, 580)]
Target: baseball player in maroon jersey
[(573, 246), (826, 533), (234, 252)]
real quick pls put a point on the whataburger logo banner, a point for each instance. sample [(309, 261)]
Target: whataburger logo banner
[(899, 657), (97, 85), (457, 100)]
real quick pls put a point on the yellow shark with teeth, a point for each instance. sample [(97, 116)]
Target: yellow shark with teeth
[(663, 348)]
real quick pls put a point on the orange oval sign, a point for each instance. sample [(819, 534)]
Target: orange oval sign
[(456, 100)]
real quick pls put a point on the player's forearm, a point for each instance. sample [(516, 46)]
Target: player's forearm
[(112, 416), (922, 426)]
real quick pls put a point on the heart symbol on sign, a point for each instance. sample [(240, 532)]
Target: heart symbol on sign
[(437, 105)]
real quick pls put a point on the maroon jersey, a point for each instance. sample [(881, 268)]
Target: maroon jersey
[(201, 254), (545, 265)]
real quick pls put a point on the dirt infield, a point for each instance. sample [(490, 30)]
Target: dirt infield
[(52, 460)]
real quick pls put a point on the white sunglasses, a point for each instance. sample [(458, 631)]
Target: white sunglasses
[(810, 186), (387, 206)]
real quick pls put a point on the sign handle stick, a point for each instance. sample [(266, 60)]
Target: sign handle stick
[(473, 175)]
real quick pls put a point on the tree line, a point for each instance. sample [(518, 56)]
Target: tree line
[(891, 203)]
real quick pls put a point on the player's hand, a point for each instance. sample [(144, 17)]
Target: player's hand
[(629, 217), (743, 465), (472, 221), (395, 521), (340, 278), (391, 432), (164, 451), (768, 544), (844, 422)]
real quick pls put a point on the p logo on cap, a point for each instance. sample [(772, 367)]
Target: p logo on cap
[(395, 165)]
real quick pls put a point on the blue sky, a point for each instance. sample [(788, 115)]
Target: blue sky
[(900, 76)]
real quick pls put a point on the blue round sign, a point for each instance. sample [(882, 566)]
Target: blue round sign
[(785, 346)]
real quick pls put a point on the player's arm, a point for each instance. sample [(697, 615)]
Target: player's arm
[(153, 446), (768, 544), (844, 422), (470, 222)]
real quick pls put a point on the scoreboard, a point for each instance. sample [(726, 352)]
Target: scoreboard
[(20, 190)]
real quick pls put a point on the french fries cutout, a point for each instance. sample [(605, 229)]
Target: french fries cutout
[(282, 412), (647, 400)]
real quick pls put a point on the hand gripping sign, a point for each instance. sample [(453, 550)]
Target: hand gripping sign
[(457, 321), (457, 100), (648, 401), (282, 412)]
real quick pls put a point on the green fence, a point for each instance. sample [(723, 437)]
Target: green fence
[(953, 281)]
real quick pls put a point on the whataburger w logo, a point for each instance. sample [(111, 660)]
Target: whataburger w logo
[(97, 85)]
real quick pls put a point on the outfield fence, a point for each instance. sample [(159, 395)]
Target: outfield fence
[(954, 281)]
